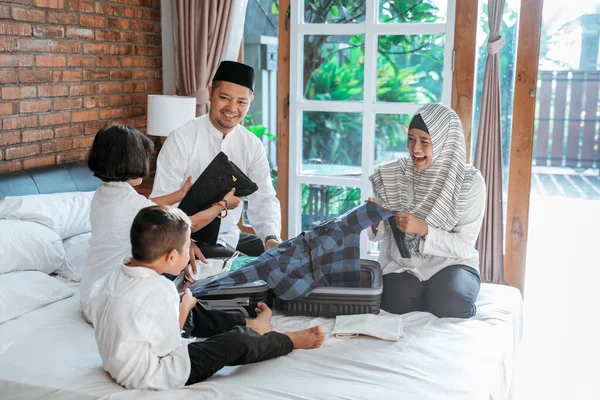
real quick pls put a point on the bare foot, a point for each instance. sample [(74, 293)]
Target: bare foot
[(262, 323), (311, 338)]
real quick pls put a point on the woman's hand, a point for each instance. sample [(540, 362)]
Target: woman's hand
[(409, 223), (185, 188), (232, 200), (374, 226)]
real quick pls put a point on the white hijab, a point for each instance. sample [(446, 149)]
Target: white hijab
[(439, 191)]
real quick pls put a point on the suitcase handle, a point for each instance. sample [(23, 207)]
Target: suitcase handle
[(235, 302)]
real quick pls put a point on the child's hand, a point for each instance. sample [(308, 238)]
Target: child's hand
[(188, 301), (232, 200)]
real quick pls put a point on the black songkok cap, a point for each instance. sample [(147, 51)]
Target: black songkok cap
[(235, 72), (418, 123)]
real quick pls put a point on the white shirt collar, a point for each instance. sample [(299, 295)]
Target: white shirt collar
[(214, 132), (137, 272)]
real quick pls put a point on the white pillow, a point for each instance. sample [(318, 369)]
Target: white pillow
[(28, 246), (67, 214), (76, 249), (24, 291)]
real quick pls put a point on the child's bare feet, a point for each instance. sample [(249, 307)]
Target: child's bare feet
[(262, 323), (311, 338)]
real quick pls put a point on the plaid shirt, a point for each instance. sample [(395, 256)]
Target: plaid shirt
[(327, 255)]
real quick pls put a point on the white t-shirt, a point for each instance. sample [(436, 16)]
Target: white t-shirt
[(189, 149), (135, 313), (444, 248), (114, 207)]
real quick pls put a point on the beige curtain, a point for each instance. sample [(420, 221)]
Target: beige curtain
[(202, 27), (488, 155)]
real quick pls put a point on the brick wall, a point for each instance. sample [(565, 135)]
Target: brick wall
[(69, 67)]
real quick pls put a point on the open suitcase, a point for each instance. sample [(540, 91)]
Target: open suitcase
[(322, 302)]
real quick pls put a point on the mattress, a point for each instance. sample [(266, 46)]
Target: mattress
[(50, 353)]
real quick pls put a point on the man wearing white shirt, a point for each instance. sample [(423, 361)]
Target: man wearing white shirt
[(190, 148)]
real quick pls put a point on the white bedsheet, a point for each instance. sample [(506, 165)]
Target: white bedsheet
[(50, 353)]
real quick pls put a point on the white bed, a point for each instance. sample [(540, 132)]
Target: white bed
[(50, 353)]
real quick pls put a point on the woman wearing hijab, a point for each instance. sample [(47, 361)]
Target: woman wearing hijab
[(428, 253)]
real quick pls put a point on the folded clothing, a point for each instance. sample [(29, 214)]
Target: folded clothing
[(386, 327)]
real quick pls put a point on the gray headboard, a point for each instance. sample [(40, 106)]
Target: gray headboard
[(74, 177)]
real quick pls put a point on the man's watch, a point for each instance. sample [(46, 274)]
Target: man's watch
[(274, 237)]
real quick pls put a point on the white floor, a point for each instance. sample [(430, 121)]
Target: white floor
[(560, 351)]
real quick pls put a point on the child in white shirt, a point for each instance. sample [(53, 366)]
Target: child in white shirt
[(120, 157), (137, 315)]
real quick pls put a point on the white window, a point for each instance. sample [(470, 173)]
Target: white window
[(359, 70)]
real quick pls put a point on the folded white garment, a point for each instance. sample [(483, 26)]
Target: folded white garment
[(386, 327), (215, 266)]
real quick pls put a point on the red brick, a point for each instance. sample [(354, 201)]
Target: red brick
[(140, 122), (96, 21), (65, 47), (57, 145), (50, 61), (76, 61), (132, 37), (107, 88), (25, 14), (134, 61), (80, 33), (93, 102), (22, 152), (19, 122), (33, 45), (63, 158), (65, 131), (143, 26), (134, 13), (144, 51), (18, 92), (110, 62), (144, 74), (35, 106), (82, 116), (121, 75), (121, 49), (53, 91), (49, 3), (135, 111), (106, 9), (95, 48), (62, 18), (6, 44), (83, 142), (143, 3), (78, 5), (119, 101), (67, 76), (154, 87), (14, 29), (8, 77), (135, 87), (91, 128), (10, 166), (107, 36), (48, 31), (37, 135), (119, 1), (152, 39), (38, 162), (111, 113), (54, 119), (152, 14), (35, 76), (67, 104), (95, 75), (154, 62), (119, 23), (8, 108), (82, 90), (9, 138), (4, 12), (16, 60)]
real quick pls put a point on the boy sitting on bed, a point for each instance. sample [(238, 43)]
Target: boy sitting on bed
[(138, 317)]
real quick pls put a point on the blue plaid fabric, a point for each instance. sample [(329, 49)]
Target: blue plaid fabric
[(327, 255)]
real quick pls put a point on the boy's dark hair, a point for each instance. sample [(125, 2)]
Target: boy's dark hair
[(157, 230), (120, 153)]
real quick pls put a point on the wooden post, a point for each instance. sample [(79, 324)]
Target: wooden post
[(463, 75), (283, 114), (521, 150)]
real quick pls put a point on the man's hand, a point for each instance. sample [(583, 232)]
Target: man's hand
[(194, 253), (269, 244), (409, 223)]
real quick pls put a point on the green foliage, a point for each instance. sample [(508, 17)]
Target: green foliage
[(259, 130)]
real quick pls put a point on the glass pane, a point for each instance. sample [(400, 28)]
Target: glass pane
[(333, 67), (334, 11), (390, 137), (401, 11), (409, 68), (321, 203), (331, 143)]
